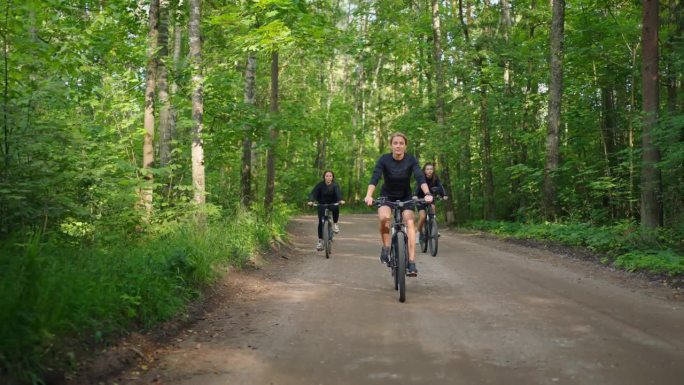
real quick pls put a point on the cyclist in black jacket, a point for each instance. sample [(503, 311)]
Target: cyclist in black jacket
[(326, 191), (396, 169), (433, 183)]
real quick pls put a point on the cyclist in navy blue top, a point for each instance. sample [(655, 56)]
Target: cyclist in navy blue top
[(326, 191), (396, 168), (435, 186)]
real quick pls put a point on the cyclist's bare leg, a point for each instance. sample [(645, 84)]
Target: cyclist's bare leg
[(384, 214), (421, 219), (411, 230)]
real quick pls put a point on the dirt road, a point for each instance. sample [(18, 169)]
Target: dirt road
[(481, 312)]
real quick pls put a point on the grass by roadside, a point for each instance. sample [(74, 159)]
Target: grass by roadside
[(624, 245), (61, 292)]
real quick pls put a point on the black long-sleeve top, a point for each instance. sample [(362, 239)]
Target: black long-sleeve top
[(397, 175), (323, 193), (431, 182)]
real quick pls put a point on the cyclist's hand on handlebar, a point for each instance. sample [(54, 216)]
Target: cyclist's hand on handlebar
[(368, 200), (309, 203), (342, 202), (446, 198), (428, 198)]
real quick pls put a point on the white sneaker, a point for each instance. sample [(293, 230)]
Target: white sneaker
[(319, 245), (336, 228)]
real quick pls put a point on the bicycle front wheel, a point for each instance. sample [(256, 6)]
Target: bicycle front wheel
[(327, 239), (401, 258), (434, 237), (393, 263), (424, 236)]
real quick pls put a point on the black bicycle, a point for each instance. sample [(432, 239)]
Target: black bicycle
[(430, 233), (398, 256), (328, 230)]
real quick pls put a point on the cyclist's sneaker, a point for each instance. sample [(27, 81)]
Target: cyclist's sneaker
[(319, 245), (336, 228), (412, 271), (384, 255)]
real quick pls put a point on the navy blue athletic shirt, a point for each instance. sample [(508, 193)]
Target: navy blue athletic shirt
[(397, 176), (432, 182), (322, 193)]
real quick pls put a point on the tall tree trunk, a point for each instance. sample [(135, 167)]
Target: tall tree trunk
[(6, 92), (555, 94), (250, 101), (162, 86), (651, 184), (608, 127), (488, 174), (273, 138), (440, 114), (464, 162), (148, 140), (322, 140), (177, 49), (528, 123), (197, 149)]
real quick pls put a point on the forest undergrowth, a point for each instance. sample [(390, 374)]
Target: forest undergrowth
[(78, 290)]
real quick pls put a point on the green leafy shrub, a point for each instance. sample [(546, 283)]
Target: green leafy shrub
[(55, 289), (625, 244)]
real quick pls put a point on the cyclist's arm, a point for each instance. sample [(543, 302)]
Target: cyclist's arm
[(369, 194), (420, 180), (418, 192), (314, 195), (375, 178), (338, 193), (438, 183)]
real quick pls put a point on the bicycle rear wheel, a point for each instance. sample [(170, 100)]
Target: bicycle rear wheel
[(401, 258), (434, 237), (327, 239)]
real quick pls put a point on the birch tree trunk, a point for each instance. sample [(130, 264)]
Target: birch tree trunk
[(148, 140), (197, 149), (273, 138), (250, 101), (173, 118), (651, 183), (555, 93), (163, 87)]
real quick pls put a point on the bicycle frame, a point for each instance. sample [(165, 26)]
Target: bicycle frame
[(327, 227), (398, 256)]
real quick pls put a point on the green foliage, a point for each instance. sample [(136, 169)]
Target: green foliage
[(625, 244), (90, 291), (659, 261)]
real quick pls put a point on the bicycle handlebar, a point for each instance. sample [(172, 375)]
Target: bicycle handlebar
[(387, 202), (325, 204)]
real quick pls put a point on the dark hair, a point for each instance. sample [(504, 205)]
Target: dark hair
[(328, 171), (434, 174)]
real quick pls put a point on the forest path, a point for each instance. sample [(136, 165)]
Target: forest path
[(481, 312)]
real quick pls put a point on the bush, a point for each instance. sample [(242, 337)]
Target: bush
[(625, 244), (55, 289)]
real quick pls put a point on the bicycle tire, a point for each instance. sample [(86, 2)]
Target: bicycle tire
[(434, 237), (401, 259), (424, 235), (393, 263), (326, 238)]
